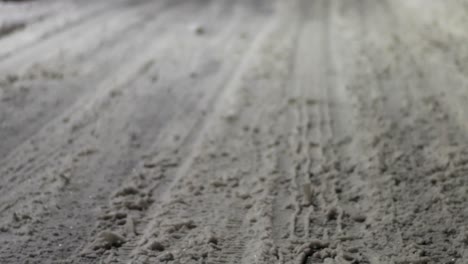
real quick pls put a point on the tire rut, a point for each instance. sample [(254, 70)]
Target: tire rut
[(159, 187), (83, 105), (139, 62), (273, 132), (96, 64), (11, 46), (188, 169)]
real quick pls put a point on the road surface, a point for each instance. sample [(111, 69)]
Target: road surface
[(234, 131)]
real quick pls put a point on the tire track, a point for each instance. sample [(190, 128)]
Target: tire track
[(333, 218), (316, 137), (85, 105), (261, 137), (99, 59), (163, 185), (283, 199), (346, 189), (266, 129), (59, 153), (90, 104), (105, 117), (87, 31), (234, 220), (312, 178), (301, 80), (48, 29)]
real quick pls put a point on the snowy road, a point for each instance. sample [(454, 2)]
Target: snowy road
[(234, 131)]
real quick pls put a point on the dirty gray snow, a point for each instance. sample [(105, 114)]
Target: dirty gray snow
[(234, 131)]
